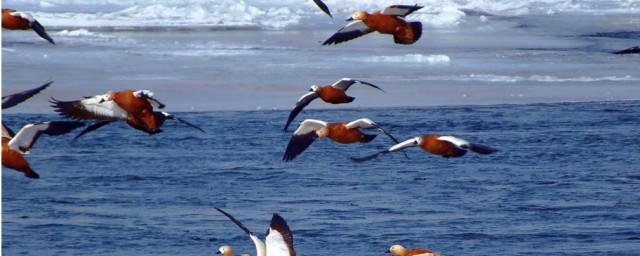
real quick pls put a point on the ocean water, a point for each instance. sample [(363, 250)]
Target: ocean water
[(535, 79), (245, 55), (565, 182)]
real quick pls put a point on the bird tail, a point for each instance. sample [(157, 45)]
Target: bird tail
[(481, 149), (410, 35), (31, 173), (368, 137)]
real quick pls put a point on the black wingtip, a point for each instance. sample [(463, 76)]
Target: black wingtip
[(39, 29), (246, 230)]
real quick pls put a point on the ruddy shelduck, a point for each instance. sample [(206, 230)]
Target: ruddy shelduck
[(323, 7), (14, 146), (160, 116), (16, 98), (398, 250), (445, 146), (334, 94), (388, 21), (345, 133), (14, 20), (226, 250), (133, 107), (279, 238)]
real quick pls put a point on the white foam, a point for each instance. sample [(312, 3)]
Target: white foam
[(413, 58), (283, 14), (533, 78), (77, 32)]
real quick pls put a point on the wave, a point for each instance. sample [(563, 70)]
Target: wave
[(411, 58), (533, 78), (263, 14)]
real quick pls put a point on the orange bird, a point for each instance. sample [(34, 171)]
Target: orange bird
[(387, 21), (133, 107), (14, 146), (398, 250), (445, 146), (11, 19), (334, 94), (345, 133)]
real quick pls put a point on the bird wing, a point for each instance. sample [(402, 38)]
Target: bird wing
[(401, 10), (17, 98), (166, 115), (260, 246), (323, 7), (458, 142), (279, 238), (302, 138), (96, 107), (92, 127), (635, 49), (351, 31), (35, 25), (345, 83), (27, 136), (302, 102), (148, 95), (7, 133), (366, 123), (405, 144)]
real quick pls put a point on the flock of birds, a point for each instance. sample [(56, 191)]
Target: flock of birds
[(137, 109)]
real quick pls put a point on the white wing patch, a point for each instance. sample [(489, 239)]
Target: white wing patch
[(344, 83), (309, 125), (364, 123), (24, 15), (261, 249), (24, 138), (455, 140), (276, 246), (100, 105), (305, 96)]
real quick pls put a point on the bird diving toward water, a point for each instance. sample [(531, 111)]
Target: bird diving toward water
[(345, 133), (279, 238), (334, 94), (388, 21), (14, 20), (445, 146), (14, 146)]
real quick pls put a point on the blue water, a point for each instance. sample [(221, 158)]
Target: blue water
[(565, 182)]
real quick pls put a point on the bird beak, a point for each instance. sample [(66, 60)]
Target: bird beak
[(388, 251), (218, 252), (349, 19), (310, 90)]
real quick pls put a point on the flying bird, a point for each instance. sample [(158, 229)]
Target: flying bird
[(323, 7), (388, 21), (635, 49), (279, 239), (398, 250), (160, 116), (334, 94), (345, 133), (133, 107), (445, 146), (14, 146), (17, 98), (14, 20)]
